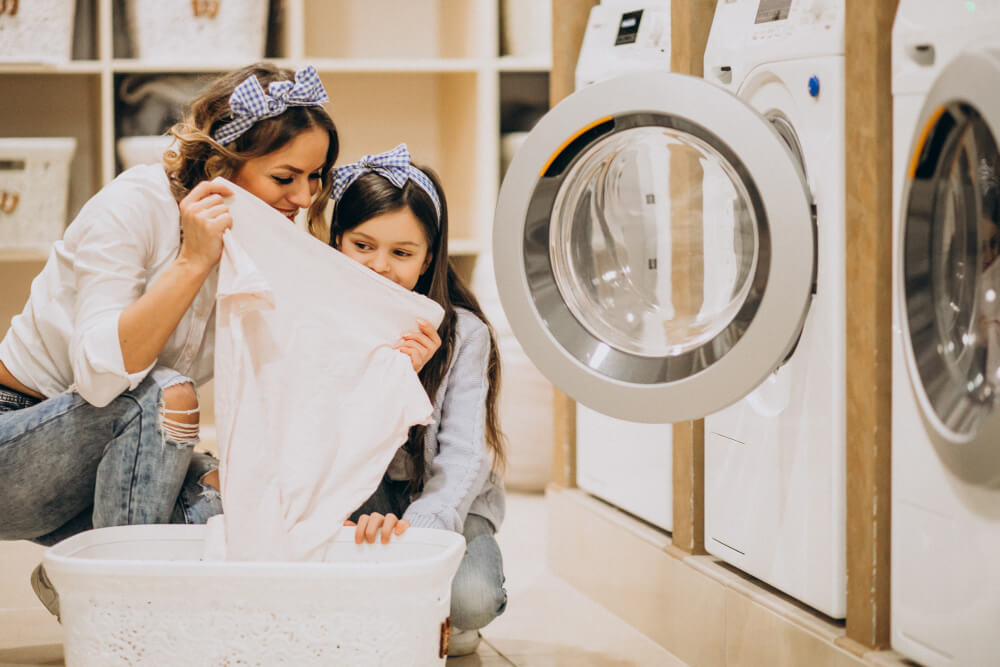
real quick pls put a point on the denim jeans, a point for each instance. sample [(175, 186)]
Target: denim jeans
[(67, 466), (477, 592)]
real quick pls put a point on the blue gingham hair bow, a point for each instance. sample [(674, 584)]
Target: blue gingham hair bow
[(394, 165), (249, 103)]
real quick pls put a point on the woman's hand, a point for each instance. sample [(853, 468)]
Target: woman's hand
[(370, 525), (204, 218), (420, 345)]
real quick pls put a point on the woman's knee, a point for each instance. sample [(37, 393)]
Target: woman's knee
[(180, 414)]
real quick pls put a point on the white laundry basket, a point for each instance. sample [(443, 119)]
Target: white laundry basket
[(34, 185), (230, 31), (140, 595), (525, 397), (36, 30)]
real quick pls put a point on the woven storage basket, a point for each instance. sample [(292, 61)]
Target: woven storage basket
[(230, 31), (36, 30), (34, 183)]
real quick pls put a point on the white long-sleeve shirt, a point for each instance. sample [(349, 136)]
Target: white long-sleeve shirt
[(117, 246)]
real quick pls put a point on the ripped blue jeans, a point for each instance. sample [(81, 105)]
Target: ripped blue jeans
[(67, 466)]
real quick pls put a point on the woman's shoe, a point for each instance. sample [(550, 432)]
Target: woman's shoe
[(45, 591), (463, 642)]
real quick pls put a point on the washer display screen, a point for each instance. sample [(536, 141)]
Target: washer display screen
[(773, 10)]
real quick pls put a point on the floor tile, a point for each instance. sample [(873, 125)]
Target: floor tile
[(479, 660), (547, 621), (40, 654)]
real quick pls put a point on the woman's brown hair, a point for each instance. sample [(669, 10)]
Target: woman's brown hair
[(196, 156), (372, 195)]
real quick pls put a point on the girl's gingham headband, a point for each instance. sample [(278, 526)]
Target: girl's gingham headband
[(394, 165), (249, 103)]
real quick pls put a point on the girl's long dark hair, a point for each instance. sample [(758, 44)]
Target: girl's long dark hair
[(372, 195)]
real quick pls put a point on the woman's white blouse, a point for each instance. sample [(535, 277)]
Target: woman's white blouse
[(121, 241)]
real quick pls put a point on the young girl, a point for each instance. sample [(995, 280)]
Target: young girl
[(98, 408), (392, 217)]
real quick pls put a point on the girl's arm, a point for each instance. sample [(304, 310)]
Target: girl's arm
[(456, 475)]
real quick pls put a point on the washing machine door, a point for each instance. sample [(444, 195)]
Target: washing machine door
[(949, 263), (654, 247)]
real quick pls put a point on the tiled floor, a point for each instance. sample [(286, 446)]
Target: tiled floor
[(547, 623)]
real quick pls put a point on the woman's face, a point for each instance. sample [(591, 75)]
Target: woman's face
[(288, 178), (393, 245)]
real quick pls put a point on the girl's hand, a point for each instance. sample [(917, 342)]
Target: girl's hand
[(370, 525), (204, 218), (421, 345)]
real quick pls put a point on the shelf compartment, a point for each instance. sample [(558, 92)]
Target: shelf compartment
[(60, 105), (435, 114), (25, 253), (391, 29)]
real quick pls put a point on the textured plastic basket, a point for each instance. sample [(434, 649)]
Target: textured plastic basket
[(140, 595), (142, 150), (181, 30), (34, 184), (36, 30)]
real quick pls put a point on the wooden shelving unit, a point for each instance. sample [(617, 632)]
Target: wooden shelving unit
[(424, 72)]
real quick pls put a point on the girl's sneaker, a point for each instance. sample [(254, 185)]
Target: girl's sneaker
[(463, 642)]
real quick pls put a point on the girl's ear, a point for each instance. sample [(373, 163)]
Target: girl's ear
[(427, 263), (336, 241)]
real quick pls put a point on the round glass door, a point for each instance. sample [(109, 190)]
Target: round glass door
[(654, 247), (951, 268), (613, 227)]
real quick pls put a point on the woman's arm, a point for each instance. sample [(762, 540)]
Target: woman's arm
[(146, 325), (456, 475), (120, 323)]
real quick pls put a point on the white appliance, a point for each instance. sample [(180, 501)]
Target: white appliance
[(945, 428), (627, 464), (775, 492), (629, 289)]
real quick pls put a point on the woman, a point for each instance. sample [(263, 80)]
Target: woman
[(98, 407)]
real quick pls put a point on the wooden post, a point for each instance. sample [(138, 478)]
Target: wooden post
[(569, 21), (690, 21), (869, 321)]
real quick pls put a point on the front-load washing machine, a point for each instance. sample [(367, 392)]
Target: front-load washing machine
[(775, 491), (654, 241), (627, 464), (946, 333)]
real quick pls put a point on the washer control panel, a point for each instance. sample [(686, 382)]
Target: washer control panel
[(624, 36), (749, 33), (785, 19)]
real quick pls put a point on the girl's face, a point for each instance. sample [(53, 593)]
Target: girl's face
[(288, 178), (393, 245)]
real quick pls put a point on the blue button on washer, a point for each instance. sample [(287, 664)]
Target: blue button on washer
[(814, 86)]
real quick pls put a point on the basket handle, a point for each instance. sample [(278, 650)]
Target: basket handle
[(8, 7), (9, 201), (444, 638), (203, 8)]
